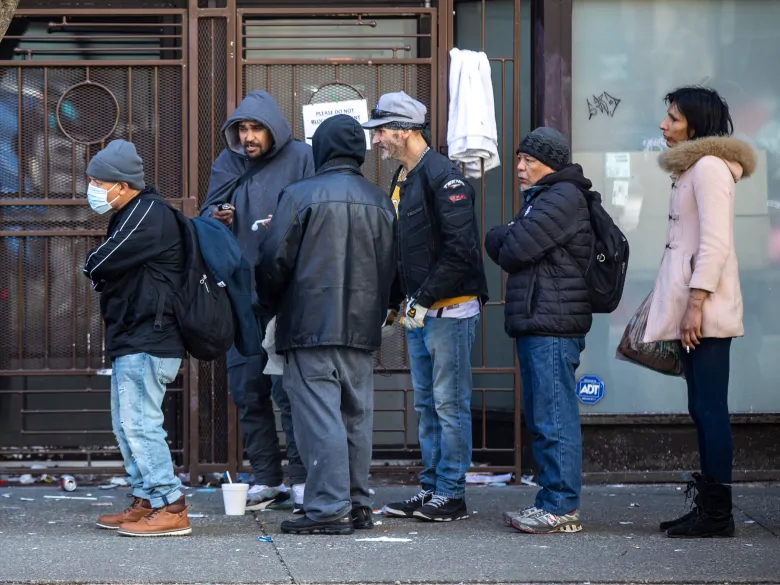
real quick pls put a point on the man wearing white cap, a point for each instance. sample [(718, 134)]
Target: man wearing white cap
[(442, 278)]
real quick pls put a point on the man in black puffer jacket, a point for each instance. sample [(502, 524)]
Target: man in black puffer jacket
[(325, 271), (546, 250)]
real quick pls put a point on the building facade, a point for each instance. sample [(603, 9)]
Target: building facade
[(165, 74)]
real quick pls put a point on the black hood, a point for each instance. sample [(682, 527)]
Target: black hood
[(339, 137), (569, 174), (258, 107)]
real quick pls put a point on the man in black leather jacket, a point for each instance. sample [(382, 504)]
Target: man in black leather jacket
[(442, 277), (325, 271)]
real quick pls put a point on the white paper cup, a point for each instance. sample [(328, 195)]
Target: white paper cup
[(234, 496)]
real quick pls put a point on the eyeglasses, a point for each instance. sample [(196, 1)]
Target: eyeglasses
[(377, 114)]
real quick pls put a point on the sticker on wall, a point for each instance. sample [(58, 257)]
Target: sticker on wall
[(590, 389)]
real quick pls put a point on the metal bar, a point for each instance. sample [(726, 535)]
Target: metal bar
[(326, 60), (58, 51), (47, 233), (88, 295), (332, 12), (114, 25), (255, 24), (378, 156), (192, 97), (130, 103), (46, 133), (235, 73), (71, 390), (19, 303), (19, 117), (83, 432), (309, 37), (87, 63), (294, 89), (74, 292), (185, 160), (516, 135), (49, 38), (484, 416), (68, 411), (46, 302), (156, 123), (93, 12), (405, 48), (73, 148)]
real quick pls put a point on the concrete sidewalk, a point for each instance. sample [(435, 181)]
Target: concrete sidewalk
[(56, 541)]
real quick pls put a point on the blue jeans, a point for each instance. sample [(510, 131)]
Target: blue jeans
[(138, 384), (547, 366), (440, 361)]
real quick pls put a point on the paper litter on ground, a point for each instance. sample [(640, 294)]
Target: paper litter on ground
[(69, 498), (383, 539), (482, 478)]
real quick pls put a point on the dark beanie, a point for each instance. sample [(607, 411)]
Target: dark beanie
[(546, 145), (118, 162)]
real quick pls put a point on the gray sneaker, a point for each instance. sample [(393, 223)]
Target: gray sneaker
[(542, 522), (509, 516)]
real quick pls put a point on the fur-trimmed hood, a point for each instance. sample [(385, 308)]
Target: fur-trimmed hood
[(737, 154)]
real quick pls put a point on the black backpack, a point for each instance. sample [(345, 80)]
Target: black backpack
[(202, 307), (606, 274)]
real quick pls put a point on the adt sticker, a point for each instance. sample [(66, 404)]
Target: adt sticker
[(590, 389)]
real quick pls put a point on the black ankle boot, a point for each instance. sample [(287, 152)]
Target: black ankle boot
[(691, 491), (713, 517)]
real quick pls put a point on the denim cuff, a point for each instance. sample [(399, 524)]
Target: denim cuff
[(159, 502), (450, 495)]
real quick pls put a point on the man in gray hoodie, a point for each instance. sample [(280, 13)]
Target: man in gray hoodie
[(261, 158)]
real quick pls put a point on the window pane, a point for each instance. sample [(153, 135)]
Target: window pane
[(626, 56)]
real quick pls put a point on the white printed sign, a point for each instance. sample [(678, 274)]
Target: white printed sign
[(316, 114), (620, 193), (618, 165)]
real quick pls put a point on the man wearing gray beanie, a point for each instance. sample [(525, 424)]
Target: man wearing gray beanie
[(546, 251), (134, 270)]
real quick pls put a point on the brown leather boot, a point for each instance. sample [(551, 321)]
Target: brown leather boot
[(137, 510), (170, 520)]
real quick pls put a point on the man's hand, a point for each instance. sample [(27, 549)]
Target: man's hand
[(224, 213), (690, 328), (415, 315)]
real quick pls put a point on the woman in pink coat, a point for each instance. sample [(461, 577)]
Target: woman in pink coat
[(696, 297)]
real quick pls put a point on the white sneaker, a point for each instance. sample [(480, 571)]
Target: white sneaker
[(260, 497), (298, 490)]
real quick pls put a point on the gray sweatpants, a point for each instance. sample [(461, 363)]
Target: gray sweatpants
[(331, 391)]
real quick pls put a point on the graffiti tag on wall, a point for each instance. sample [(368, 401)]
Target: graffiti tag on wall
[(602, 104)]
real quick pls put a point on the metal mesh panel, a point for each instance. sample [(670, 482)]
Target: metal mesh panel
[(50, 317), (212, 96), (213, 396), (296, 85), (121, 102)]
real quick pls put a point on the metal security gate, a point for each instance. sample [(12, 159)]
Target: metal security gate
[(73, 81), (101, 74)]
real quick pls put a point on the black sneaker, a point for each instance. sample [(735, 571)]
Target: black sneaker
[(407, 508), (362, 518), (441, 509), (306, 525)]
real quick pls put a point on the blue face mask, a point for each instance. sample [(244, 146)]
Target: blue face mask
[(98, 199)]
